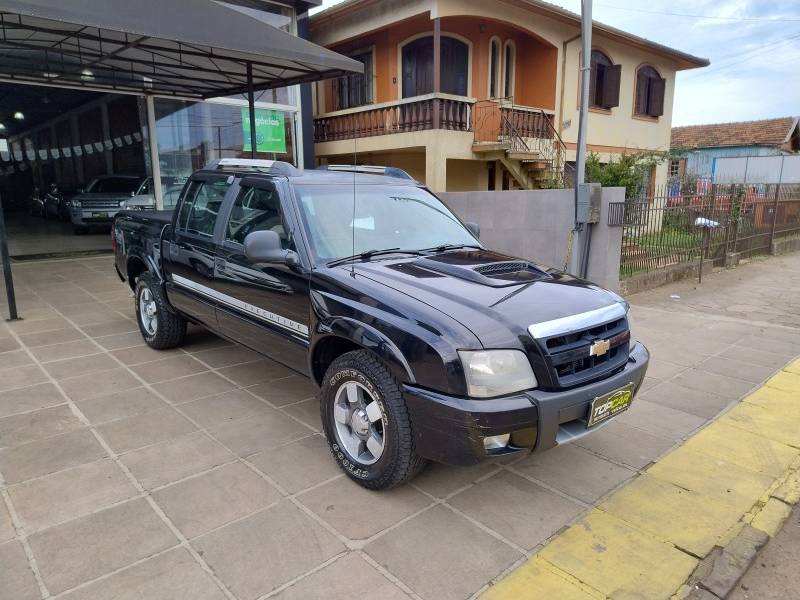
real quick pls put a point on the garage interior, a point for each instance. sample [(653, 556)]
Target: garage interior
[(60, 140), (82, 85)]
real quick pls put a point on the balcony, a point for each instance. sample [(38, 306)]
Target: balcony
[(502, 122), (420, 113)]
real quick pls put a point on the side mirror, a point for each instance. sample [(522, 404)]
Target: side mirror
[(474, 229), (265, 247)]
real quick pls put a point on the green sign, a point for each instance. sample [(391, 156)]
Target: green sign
[(270, 131)]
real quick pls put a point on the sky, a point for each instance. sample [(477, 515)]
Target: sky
[(753, 45)]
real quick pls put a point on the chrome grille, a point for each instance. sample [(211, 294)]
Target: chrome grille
[(570, 358), (100, 204)]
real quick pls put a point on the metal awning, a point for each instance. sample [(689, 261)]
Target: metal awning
[(188, 48)]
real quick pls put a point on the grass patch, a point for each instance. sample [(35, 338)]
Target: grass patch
[(670, 238)]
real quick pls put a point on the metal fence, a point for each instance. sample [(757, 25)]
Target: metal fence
[(678, 225)]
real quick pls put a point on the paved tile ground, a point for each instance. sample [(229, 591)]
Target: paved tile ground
[(202, 473), (35, 236)]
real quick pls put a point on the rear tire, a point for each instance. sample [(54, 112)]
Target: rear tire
[(161, 328), (367, 423)]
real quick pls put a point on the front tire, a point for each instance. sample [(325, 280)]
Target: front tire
[(366, 422), (161, 328)]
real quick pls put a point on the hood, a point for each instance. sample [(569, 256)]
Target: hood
[(494, 295), (142, 200), (103, 196)]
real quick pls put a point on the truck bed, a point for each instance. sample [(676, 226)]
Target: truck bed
[(147, 216)]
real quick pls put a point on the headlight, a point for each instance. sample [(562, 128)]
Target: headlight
[(633, 339), (496, 372), (122, 203)]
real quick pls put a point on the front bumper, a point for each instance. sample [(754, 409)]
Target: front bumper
[(89, 216), (451, 430)]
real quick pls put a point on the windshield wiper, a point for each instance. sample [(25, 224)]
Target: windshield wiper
[(444, 247), (370, 254)]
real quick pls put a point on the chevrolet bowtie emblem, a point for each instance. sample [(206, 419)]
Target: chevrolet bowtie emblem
[(599, 348)]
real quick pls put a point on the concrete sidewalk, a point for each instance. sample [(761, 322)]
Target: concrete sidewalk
[(202, 471), (693, 521)]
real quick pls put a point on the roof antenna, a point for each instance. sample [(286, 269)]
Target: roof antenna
[(355, 158)]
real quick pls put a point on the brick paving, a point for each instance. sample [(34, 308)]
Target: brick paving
[(202, 472)]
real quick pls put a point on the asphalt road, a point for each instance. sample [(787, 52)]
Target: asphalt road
[(775, 574)]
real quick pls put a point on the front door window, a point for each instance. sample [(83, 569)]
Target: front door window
[(256, 209)]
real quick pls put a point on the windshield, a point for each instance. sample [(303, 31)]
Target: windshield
[(114, 185), (386, 216)]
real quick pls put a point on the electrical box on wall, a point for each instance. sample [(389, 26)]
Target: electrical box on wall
[(589, 195)]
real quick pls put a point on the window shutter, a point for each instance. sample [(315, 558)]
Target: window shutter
[(642, 85), (595, 75), (611, 80), (655, 106)]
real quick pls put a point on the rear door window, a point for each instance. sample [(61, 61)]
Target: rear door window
[(201, 204)]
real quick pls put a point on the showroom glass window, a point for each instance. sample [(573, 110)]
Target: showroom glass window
[(192, 134)]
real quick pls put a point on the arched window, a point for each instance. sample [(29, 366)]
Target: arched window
[(494, 67), (417, 66), (509, 65), (650, 88), (603, 81)]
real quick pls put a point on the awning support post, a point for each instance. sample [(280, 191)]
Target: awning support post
[(12, 299), (251, 107), (152, 140)]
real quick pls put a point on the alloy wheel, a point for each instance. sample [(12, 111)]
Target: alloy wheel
[(359, 423), (147, 311)]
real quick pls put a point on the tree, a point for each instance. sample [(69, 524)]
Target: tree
[(629, 170)]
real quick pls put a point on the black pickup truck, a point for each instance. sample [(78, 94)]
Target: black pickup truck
[(425, 344)]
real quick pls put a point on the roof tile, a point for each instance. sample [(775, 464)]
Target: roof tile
[(767, 132)]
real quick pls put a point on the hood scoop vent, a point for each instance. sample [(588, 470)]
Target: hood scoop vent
[(493, 274), (501, 268)]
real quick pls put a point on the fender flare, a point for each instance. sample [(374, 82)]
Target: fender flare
[(369, 338), (149, 265), (152, 267)]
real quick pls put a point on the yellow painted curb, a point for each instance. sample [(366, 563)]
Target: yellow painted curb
[(770, 518), (789, 491), (645, 539), (548, 582)]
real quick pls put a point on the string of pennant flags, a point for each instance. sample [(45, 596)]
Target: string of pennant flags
[(19, 158)]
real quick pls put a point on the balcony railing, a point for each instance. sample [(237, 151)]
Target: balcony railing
[(431, 111), (496, 121)]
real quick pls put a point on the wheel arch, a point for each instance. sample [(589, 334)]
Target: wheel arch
[(347, 335), (136, 265)]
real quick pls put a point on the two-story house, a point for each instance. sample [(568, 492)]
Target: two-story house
[(483, 94)]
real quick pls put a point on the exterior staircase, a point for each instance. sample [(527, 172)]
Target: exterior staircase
[(523, 140)]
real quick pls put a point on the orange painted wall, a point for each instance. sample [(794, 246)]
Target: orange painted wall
[(535, 69)]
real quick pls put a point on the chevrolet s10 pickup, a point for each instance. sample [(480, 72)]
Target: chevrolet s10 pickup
[(425, 344)]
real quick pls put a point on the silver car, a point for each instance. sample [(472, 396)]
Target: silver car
[(102, 199), (145, 200)]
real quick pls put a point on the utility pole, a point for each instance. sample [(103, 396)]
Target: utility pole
[(582, 191)]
